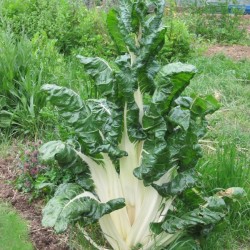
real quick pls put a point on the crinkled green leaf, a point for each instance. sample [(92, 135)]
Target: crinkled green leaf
[(185, 243), (199, 216), (180, 117), (91, 120), (70, 203), (184, 101), (135, 130), (155, 21), (151, 44), (125, 24), (170, 81), (184, 147), (114, 31), (100, 71), (69, 103), (155, 158), (76, 113), (147, 75), (125, 11), (215, 203), (179, 183), (138, 13), (202, 218), (205, 105), (169, 145), (67, 157), (50, 150)]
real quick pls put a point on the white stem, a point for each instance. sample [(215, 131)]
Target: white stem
[(139, 101)]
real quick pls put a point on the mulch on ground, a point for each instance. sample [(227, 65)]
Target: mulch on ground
[(42, 238)]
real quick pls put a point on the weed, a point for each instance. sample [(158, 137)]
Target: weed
[(177, 41)]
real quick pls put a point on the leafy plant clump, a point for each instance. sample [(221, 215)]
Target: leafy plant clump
[(137, 145), (41, 179)]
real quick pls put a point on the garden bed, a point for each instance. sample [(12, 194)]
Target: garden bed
[(42, 238)]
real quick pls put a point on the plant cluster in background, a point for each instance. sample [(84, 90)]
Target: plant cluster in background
[(38, 44), (24, 66), (178, 40), (215, 23), (68, 22)]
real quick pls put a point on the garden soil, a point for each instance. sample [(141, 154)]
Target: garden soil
[(42, 238), (236, 52)]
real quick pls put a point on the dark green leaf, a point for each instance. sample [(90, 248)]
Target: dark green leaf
[(155, 163), (67, 157), (100, 71), (204, 105), (180, 183), (91, 121), (171, 80), (70, 203), (200, 216), (113, 28), (181, 117)]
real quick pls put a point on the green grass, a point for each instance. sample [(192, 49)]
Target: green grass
[(13, 230), (226, 161), (228, 167), (229, 81)]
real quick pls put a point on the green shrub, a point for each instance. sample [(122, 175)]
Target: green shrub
[(37, 178), (177, 41), (68, 22)]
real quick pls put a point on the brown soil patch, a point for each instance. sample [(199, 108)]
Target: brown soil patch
[(42, 238), (236, 52)]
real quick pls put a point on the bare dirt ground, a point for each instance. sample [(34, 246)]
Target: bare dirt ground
[(236, 52), (42, 238)]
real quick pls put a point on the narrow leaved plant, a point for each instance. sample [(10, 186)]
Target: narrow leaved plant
[(134, 150)]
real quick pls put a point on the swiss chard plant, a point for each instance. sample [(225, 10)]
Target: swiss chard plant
[(135, 147)]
